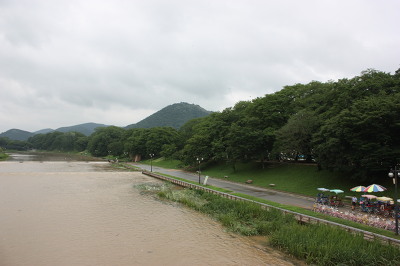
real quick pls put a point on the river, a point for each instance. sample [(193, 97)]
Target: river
[(66, 212)]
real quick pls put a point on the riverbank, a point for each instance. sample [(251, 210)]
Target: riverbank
[(289, 201), (52, 156), (3, 156), (315, 243)]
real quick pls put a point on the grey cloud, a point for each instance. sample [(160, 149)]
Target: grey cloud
[(100, 57)]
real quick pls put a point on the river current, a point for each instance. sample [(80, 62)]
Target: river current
[(86, 213)]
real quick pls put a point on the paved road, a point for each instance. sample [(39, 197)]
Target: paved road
[(264, 193)]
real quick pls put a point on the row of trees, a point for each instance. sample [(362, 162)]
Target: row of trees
[(7, 144), (350, 125)]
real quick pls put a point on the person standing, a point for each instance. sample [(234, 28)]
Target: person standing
[(353, 202)]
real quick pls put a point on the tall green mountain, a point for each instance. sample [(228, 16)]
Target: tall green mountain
[(174, 115), (16, 134)]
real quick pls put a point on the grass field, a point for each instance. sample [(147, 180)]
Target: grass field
[(171, 164), (296, 178)]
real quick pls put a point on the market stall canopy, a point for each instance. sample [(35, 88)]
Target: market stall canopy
[(385, 199), (323, 189)]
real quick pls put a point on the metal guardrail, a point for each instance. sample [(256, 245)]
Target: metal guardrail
[(303, 218)]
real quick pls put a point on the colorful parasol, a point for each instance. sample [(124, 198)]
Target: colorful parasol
[(323, 189), (374, 188), (358, 189)]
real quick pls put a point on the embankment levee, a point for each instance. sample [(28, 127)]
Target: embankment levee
[(302, 218)]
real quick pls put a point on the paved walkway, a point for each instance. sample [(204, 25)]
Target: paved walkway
[(264, 193)]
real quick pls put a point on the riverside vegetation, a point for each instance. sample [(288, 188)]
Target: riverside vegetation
[(3, 155), (316, 244)]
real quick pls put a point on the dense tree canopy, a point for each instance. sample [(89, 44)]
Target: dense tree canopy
[(69, 141), (350, 125)]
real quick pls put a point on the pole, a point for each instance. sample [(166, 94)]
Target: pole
[(396, 211), (199, 161), (199, 170), (151, 161)]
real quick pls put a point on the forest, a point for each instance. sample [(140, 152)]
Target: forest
[(349, 125)]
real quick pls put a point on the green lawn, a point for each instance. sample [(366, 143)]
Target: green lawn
[(161, 162), (296, 178)]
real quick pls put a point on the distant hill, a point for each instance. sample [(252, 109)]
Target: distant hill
[(17, 134), (174, 115), (86, 129), (43, 131)]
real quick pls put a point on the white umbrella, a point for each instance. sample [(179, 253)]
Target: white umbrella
[(337, 191)]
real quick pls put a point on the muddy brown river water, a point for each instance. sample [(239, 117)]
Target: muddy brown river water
[(84, 213)]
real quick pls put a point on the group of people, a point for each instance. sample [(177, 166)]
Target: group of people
[(329, 200), (377, 207), (385, 208)]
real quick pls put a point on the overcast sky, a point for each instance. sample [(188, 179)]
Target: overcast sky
[(116, 62)]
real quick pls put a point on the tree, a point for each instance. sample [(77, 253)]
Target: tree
[(362, 139), (169, 151), (295, 138), (199, 145), (159, 136), (101, 139)]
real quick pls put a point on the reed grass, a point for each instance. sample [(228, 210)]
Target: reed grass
[(325, 245)]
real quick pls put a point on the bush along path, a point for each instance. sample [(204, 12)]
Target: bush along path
[(313, 243)]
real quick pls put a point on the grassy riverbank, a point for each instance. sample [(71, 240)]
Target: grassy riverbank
[(3, 156), (299, 177), (316, 244)]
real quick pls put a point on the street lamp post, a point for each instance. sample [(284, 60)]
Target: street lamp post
[(394, 174), (199, 161), (151, 161)]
